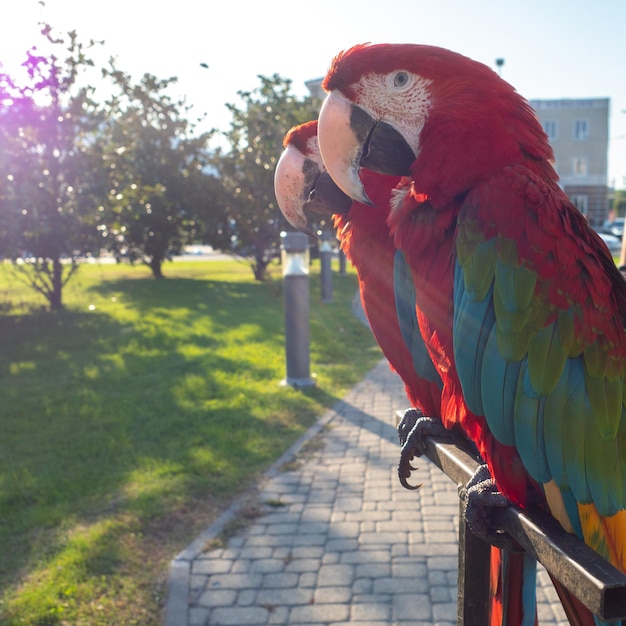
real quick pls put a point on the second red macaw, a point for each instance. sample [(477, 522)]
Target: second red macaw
[(302, 187)]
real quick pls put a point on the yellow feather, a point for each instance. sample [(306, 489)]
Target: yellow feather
[(606, 535), (557, 506)]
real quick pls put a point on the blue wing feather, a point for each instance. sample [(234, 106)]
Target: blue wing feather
[(498, 388), (473, 321), (404, 290), (529, 427)]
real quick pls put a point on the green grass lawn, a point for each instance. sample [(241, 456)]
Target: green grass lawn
[(131, 420)]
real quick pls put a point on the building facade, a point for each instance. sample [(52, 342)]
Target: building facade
[(578, 130)]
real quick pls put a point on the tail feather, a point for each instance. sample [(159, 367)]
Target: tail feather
[(513, 586), (577, 613), (606, 535), (513, 581)]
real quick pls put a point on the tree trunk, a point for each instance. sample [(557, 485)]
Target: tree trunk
[(156, 266), (56, 293), (259, 268)]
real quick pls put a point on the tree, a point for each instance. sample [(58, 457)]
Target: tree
[(50, 175), (156, 169), (251, 222), (619, 203)]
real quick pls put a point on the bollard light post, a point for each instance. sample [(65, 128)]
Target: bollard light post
[(326, 256), (342, 263), (295, 262)]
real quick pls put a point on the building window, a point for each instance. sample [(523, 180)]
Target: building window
[(580, 166), (581, 202), (581, 130), (550, 127)]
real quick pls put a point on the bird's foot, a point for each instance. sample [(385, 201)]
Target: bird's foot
[(481, 495), (409, 417), (412, 431)]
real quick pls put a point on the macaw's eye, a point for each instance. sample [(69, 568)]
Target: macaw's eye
[(400, 79)]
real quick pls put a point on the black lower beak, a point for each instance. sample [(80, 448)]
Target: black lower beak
[(387, 152), (326, 198)]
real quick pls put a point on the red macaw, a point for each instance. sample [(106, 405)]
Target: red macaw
[(519, 301), (302, 187)]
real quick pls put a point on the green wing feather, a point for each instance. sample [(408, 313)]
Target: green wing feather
[(558, 327)]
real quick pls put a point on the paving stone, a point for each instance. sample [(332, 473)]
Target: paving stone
[(411, 606), (413, 569), (443, 562), (198, 616), (247, 597), (319, 613), (373, 570), (241, 566), (308, 579), (371, 612), (362, 585), (440, 594), (267, 566), (239, 616), (343, 530), (445, 611), (257, 552), (342, 545), (335, 575), (217, 597), (400, 585), (332, 595), (278, 615), (366, 556), (307, 552), (331, 558), (211, 566), (284, 597), (283, 579), (235, 581), (382, 538), (303, 565)]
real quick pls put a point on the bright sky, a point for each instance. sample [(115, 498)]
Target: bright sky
[(552, 48)]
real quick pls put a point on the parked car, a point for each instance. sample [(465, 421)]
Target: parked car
[(615, 227), (612, 242)]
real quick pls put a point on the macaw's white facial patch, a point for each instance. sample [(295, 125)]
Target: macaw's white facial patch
[(401, 98)]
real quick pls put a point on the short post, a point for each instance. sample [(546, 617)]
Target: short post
[(342, 263), (295, 262), (326, 255)]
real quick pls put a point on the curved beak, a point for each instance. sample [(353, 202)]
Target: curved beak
[(350, 138), (291, 187), (302, 188), (341, 141)]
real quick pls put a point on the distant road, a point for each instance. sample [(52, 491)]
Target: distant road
[(193, 253)]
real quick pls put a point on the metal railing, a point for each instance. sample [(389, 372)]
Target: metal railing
[(581, 570)]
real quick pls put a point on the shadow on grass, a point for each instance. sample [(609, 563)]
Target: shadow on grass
[(102, 415)]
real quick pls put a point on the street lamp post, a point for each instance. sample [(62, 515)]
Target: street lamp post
[(326, 273), (295, 263)]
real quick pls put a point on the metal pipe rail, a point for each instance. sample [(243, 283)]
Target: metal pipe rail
[(581, 570)]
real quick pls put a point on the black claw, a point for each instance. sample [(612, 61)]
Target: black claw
[(412, 431), (482, 495), (407, 423), (407, 485)]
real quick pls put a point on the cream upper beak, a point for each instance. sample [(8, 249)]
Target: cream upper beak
[(340, 147), (289, 187)]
